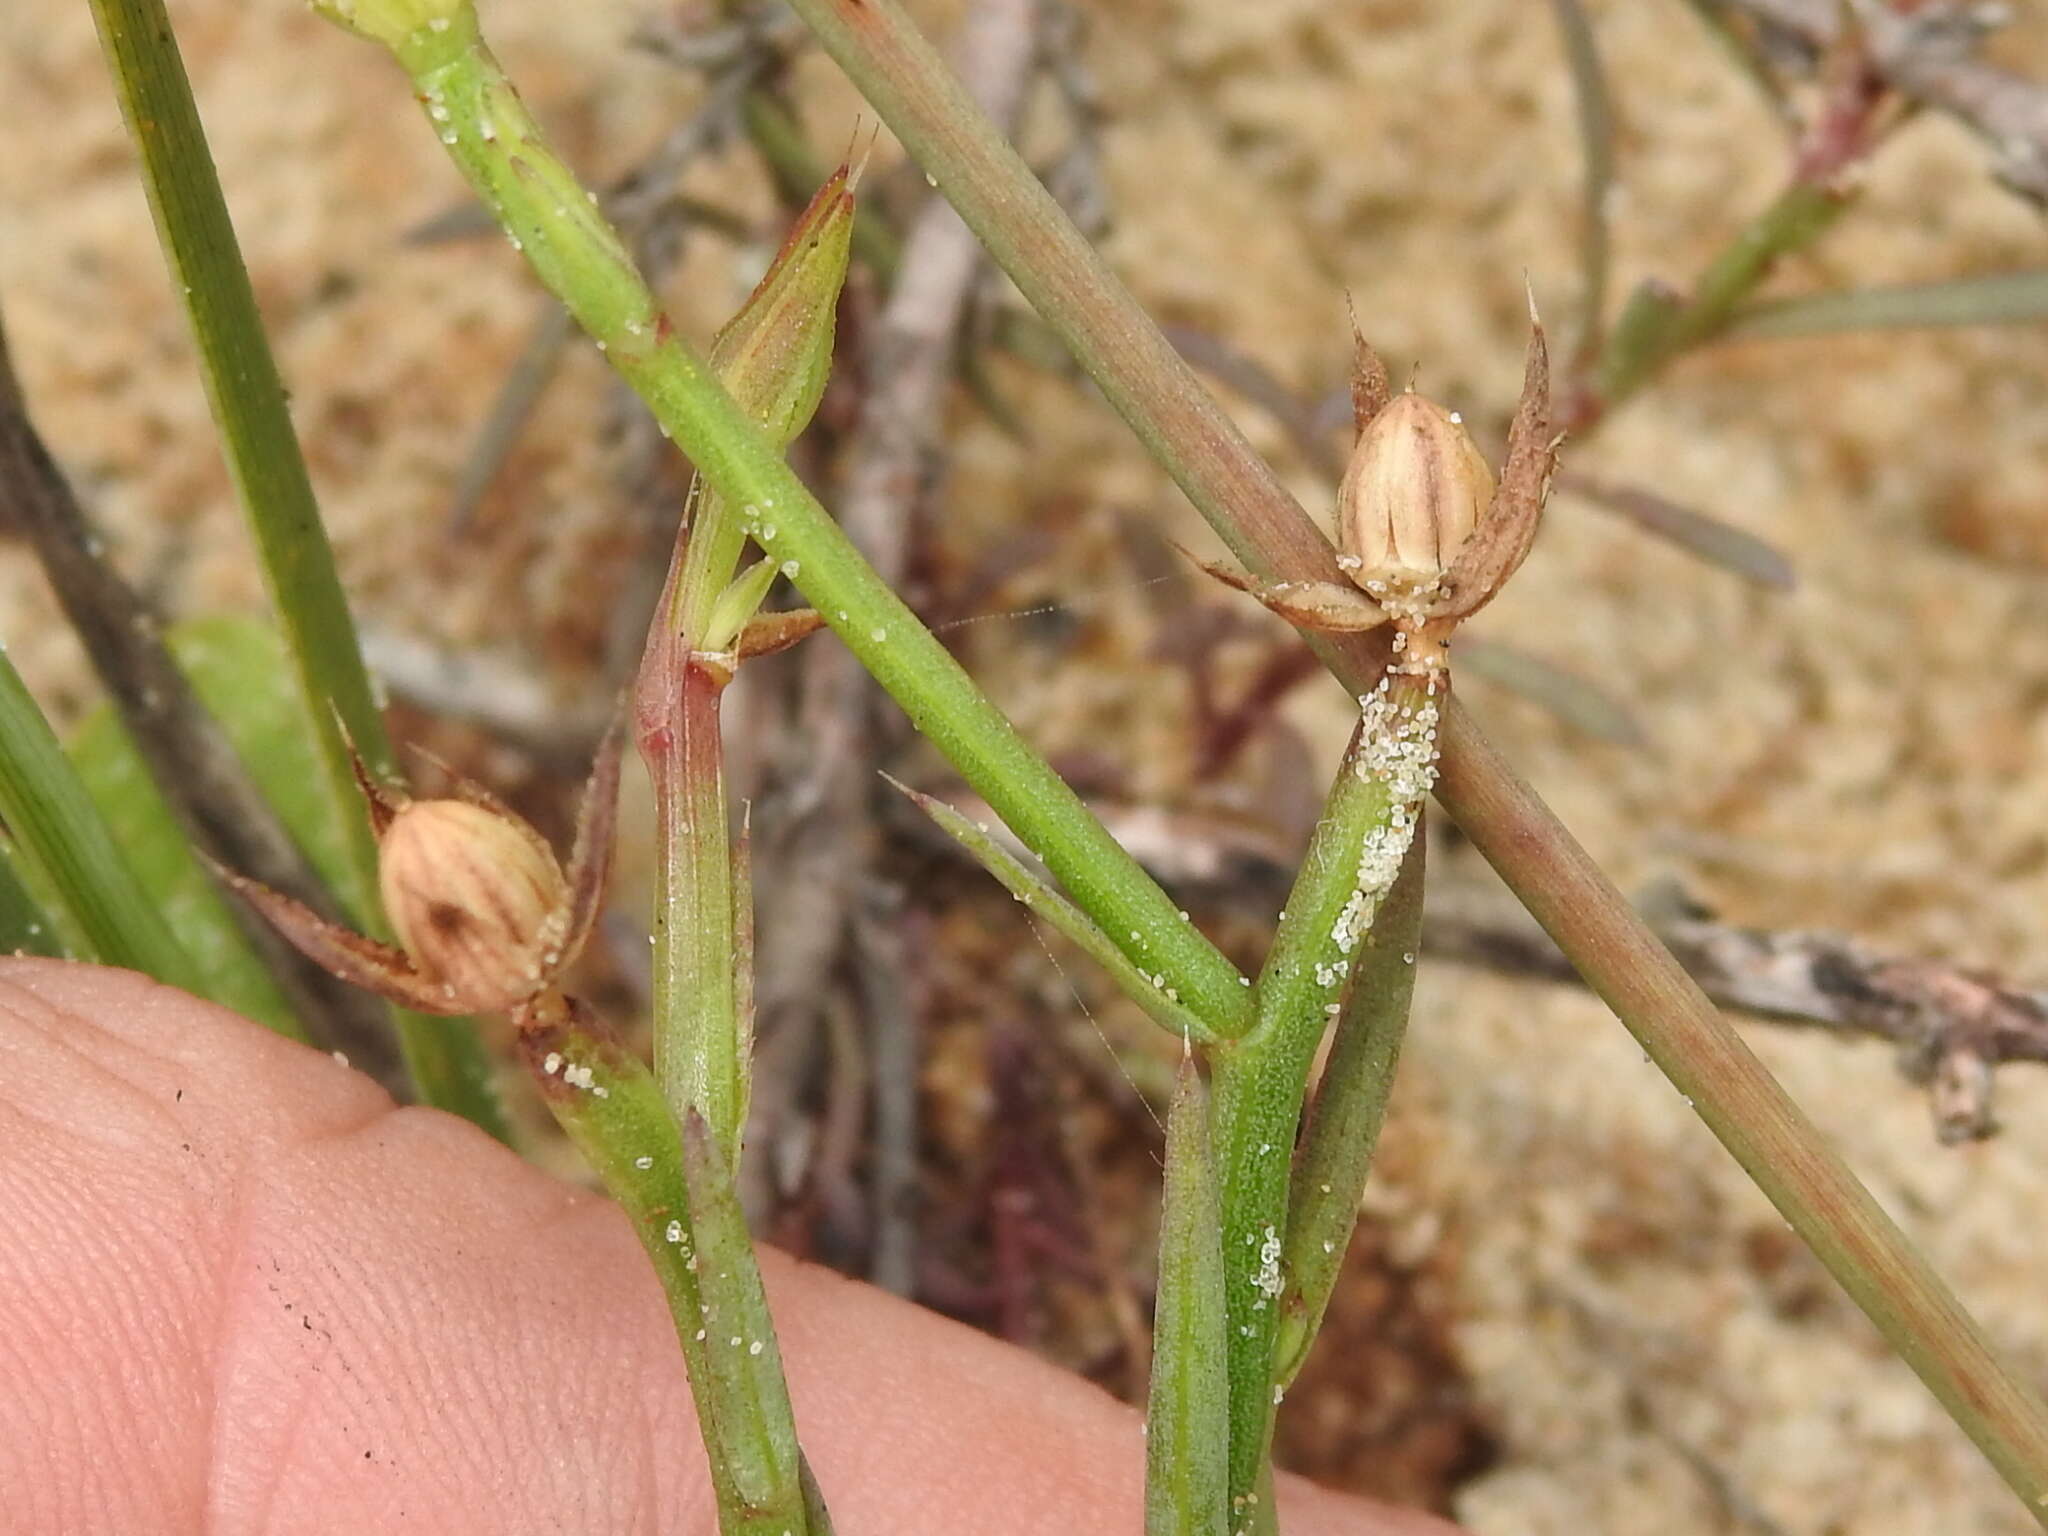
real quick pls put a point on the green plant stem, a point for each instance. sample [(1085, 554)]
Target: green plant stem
[(1796, 218), (1353, 860), (66, 852), (499, 147), (247, 396), (700, 1058), (775, 354), (1187, 1419), (678, 1195), (1121, 349), (1344, 1123)]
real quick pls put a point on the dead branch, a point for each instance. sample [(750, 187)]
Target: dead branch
[(1929, 54), (1953, 1025)]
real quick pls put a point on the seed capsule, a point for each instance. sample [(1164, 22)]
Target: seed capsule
[(1415, 489), (475, 898)]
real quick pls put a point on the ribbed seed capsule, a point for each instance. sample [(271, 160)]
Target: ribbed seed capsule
[(475, 898), (1415, 489)]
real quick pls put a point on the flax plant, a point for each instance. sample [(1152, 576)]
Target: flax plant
[(497, 145), (1263, 1174)]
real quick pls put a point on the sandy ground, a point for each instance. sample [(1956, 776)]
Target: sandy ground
[(1641, 1340)]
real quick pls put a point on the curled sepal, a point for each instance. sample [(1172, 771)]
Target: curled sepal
[(1319, 605), (1187, 1416), (383, 969), (1370, 387), (486, 919), (1501, 541), (768, 633)]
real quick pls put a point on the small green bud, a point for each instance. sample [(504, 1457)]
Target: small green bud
[(397, 23), (774, 355)]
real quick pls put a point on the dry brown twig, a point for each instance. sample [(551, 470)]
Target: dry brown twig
[(815, 834), (1928, 53), (1953, 1025)]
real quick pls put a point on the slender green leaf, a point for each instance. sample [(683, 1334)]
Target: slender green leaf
[(1663, 328), (154, 845), (65, 852), (1708, 538), (1151, 993), (1997, 298), (238, 668), (1578, 701), (1596, 147), (1187, 1421)]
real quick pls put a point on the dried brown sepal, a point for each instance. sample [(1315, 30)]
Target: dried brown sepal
[(1370, 387), (382, 801), (590, 856), (1502, 540), (767, 633), (379, 968), (1320, 605)]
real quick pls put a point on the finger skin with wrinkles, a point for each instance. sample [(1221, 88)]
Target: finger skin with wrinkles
[(240, 1292)]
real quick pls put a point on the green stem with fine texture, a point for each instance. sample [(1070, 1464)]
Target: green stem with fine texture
[(1187, 1415), (1796, 218), (700, 1055), (1344, 1123), (678, 1194), (1189, 434), (446, 1060), (775, 356), (1352, 863), (498, 146)]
